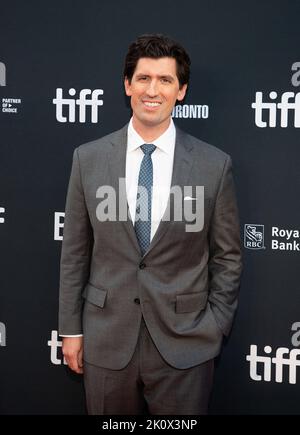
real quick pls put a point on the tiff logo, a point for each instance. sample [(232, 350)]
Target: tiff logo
[(54, 344), (2, 74), (284, 357), (2, 210), (286, 107), (289, 104), (2, 334), (69, 104)]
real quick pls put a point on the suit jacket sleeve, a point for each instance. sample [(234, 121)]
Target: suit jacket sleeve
[(225, 252), (75, 255)]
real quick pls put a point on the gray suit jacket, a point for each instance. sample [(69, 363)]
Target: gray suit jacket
[(186, 284)]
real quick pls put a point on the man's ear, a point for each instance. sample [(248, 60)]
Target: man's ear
[(182, 92), (127, 86)]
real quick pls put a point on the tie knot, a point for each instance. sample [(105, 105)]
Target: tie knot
[(148, 148)]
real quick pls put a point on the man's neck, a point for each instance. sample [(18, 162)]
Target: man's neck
[(150, 133)]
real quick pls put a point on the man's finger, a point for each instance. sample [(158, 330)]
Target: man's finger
[(73, 365), (80, 359)]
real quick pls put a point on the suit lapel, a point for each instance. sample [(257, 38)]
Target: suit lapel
[(182, 166), (116, 161)]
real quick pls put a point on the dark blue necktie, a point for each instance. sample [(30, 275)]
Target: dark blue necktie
[(144, 199)]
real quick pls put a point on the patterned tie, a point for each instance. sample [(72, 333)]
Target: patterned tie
[(144, 199)]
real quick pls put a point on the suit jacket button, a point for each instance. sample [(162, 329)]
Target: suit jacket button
[(142, 265), (137, 301)]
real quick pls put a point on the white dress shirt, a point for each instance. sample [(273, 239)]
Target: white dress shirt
[(162, 159)]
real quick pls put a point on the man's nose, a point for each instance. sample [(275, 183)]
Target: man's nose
[(152, 89)]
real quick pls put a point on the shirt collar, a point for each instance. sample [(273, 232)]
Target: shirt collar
[(165, 142)]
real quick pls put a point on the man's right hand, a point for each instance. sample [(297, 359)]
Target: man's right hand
[(72, 348)]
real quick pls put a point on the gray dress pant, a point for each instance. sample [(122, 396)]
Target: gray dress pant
[(148, 385)]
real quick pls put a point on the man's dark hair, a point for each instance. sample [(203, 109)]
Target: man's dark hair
[(156, 46)]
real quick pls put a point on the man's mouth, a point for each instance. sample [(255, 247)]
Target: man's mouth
[(152, 103)]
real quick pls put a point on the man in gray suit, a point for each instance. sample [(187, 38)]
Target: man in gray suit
[(146, 295)]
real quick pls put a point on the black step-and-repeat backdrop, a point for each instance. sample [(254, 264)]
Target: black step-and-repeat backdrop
[(60, 86)]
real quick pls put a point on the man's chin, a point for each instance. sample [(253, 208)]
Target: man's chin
[(151, 121)]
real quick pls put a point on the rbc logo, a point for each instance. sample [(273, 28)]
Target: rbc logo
[(69, 114), (254, 236)]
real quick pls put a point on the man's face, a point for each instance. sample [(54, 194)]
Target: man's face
[(154, 89)]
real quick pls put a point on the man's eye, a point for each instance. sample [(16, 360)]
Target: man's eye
[(164, 80), (143, 78)]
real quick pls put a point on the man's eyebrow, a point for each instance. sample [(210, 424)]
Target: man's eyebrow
[(166, 76), (163, 76)]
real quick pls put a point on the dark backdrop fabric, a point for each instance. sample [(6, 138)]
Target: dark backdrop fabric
[(241, 51)]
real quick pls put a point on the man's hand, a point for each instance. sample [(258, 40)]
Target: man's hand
[(72, 348)]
